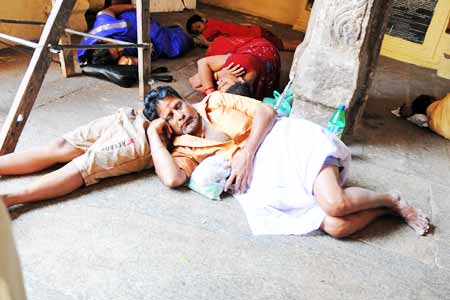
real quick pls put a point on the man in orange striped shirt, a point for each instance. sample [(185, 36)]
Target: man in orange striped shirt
[(240, 128)]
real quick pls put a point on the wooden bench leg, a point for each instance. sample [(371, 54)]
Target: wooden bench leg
[(66, 57), (144, 54), (32, 81)]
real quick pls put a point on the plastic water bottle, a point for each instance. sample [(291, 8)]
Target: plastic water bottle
[(336, 124)]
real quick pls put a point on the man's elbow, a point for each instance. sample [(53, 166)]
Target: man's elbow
[(269, 112), (174, 181)]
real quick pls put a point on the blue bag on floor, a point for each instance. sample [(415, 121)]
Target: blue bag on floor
[(170, 41)]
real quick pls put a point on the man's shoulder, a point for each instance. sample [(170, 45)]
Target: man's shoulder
[(226, 102), (220, 96), (232, 99)]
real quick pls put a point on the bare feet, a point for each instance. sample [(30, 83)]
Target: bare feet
[(414, 217)]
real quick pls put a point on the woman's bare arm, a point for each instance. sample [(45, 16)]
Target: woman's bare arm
[(206, 68)]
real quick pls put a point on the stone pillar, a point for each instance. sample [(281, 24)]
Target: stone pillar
[(336, 61)]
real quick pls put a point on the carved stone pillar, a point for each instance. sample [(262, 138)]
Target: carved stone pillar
[(336, 61)]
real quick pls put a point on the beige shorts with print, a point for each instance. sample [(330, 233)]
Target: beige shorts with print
[(113, 145)]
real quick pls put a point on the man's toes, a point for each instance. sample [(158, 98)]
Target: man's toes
[(423, 220), (418, 229), (422, 229), (425, 230)]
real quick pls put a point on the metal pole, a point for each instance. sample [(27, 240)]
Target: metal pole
[(98, 46), (71, 31), (144, 54), (22, 22), (18, 40)]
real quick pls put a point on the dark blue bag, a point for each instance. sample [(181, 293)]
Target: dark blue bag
[(169, 41)]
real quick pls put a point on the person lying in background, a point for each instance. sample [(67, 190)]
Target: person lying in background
[(119, 22), (206, 30), (240, 65), (437, 112)]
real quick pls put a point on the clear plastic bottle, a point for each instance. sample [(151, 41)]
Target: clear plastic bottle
[(336, 124)]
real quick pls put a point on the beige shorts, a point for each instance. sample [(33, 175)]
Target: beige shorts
[(113, 145)]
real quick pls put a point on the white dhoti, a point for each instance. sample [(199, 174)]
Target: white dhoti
[(280, 199)]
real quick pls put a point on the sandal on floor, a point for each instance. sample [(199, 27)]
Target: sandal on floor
[(159, 70), (163, 77)]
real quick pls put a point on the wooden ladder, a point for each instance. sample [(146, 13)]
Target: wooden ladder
[(31, 83)]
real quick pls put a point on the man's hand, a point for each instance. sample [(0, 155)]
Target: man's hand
[(165, 166), (241, 172), (231, 69), (242, 163), (162, 129)]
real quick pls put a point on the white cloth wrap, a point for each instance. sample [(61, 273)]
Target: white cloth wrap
[(280, 199)]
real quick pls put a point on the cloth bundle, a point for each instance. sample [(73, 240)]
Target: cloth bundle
[(210, 176)]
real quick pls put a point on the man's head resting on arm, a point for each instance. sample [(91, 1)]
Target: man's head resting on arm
[(164, 102)]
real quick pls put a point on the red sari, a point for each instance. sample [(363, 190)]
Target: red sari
[(254, 54), (215, 28)]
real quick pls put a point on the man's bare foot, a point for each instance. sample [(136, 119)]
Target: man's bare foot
[(414, 217)]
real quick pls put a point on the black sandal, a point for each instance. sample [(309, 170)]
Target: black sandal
[(159, 70), (163, 77)]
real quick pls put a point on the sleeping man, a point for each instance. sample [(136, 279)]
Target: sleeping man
[(291, 169), (109, 146), (119, 22)]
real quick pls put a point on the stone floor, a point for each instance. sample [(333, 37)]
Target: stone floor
[(132, 238)]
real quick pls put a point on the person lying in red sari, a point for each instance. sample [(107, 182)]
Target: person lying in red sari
[(209, 29), (239, 65)]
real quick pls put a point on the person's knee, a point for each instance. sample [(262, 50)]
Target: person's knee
[(59, 144), (334, 205), (63, 150), (336, 227)]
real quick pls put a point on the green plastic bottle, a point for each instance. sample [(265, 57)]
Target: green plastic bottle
[(336, 124)]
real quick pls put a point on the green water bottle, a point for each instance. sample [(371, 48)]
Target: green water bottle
[(336, 124)]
